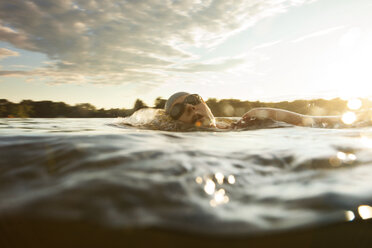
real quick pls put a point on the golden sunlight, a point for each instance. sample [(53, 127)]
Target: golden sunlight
[(341, 155), (219, 198), (349, 215), (348, 118), (212, 187), (209, 187), (219, 177), (231, 179), (354, 104), (365, 212), (199, 180)]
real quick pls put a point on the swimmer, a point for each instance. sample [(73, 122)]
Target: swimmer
[(191, 109)]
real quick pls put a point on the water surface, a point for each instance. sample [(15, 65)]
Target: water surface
[(229, 183)]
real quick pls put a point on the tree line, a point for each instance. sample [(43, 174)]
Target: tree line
[(220, 108)]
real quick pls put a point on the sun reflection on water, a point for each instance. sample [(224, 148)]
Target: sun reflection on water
[(213, 186), (199, 180), (231, 179), (349, 215), (342, 157), (365, 212), (349, 118), (219, 198), (209, 187), (219, 177)]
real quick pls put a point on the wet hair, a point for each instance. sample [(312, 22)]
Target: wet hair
[(172, 99)]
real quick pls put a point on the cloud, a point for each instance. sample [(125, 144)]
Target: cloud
[(268, 44), (132, 41), (4, 53), (318, 33), (219, 65), (14, 73)]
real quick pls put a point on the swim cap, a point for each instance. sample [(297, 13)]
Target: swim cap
[(173, 98)]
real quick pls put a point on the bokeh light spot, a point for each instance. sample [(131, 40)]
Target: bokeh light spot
[(199, 180), (365, 212), (351, 157), (349, 215), (209, 187), (219, 177), (231, 179), (348, 118), (341, 155)]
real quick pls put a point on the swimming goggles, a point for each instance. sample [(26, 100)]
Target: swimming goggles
[(179, 108)]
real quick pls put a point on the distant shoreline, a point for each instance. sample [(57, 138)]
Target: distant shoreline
[(220, 108)]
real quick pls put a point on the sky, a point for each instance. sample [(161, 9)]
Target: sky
[(109, 53)]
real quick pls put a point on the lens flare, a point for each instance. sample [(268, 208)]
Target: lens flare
[(348, 118)]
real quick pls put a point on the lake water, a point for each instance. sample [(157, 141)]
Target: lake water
[(215, 183)]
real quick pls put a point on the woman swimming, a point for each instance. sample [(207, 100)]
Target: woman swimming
[(191, 109)]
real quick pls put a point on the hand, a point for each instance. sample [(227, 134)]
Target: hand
[(247, 119)]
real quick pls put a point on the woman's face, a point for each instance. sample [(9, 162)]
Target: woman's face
[(198, 114)]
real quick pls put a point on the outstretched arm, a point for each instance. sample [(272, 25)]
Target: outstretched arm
[(288, 117)]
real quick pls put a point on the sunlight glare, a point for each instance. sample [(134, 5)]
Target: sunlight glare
[(349, 215), (348, 118), (219, 198), (351, 157), (219, 195), (341, 155), (209, 187), (366, 141), (354, 104), (219, 177), (199, 180), (365, 212), (231, 179)]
